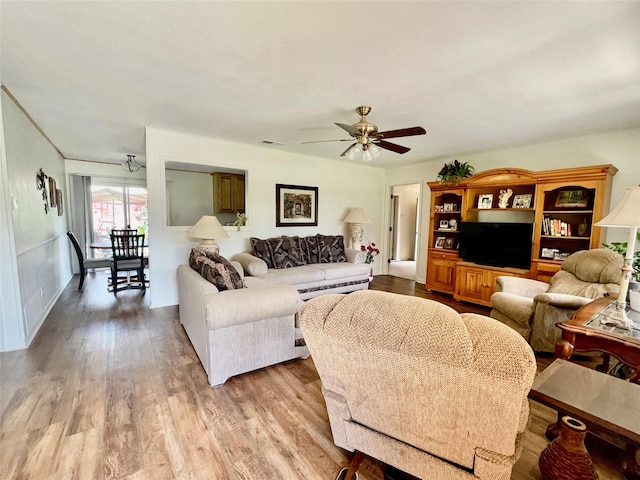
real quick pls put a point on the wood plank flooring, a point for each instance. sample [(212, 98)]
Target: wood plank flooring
[(111, 389)]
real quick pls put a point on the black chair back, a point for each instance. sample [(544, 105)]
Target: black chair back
[(127, 246), (128, 256)]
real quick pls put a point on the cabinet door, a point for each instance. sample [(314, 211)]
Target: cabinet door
[(441, 274), (238, 193), (222, 193), (471, 284)]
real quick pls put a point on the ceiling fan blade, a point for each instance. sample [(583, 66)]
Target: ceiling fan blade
[(392, 146), (402, 132), (339, 140), (354, 132), (349, 148)]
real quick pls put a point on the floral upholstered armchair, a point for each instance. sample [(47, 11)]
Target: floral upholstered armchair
[(533, 308), (416, 385)]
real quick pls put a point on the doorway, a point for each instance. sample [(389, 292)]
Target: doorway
[(404, 230)]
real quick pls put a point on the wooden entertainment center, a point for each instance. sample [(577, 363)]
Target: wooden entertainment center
[(561, 204)]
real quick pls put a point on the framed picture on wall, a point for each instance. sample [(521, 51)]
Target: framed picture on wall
[(296, 206)]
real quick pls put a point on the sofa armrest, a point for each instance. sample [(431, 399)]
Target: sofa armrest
[(243, 305), (524, 287), (252, 265), (355, 256), (562, 300)]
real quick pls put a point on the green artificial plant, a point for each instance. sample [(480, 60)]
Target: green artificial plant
[(621, 248), (455, 171)]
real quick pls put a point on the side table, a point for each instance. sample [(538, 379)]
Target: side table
[(584, 332)]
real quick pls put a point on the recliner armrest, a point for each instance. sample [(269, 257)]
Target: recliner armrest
[(562, 300), (524, 287), (518, 308)]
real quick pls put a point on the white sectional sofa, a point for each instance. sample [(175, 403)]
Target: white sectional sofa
[(313, 265), (239, 330)]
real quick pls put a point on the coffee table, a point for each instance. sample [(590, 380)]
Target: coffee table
[(585, 332), (609, 406)]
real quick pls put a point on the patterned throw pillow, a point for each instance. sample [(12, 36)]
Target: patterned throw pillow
[(331, 249), (286, 252), (216, 270), (310, 249), (262, 251)]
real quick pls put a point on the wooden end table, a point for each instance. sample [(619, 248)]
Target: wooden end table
[(609, 406), (584, 332)]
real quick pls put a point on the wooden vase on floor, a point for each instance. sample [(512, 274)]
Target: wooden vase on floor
[(566, 458)]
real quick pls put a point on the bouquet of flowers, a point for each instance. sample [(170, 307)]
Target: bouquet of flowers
[(372, 252)]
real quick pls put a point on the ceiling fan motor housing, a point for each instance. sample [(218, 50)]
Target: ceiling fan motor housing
[(365, 128)]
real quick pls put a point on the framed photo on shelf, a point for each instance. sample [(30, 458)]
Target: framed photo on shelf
[(549, 253), (522, 201), (440, 242), (444, 225), (485, 200), (560, 256), (448, 207), (572, 198), (448, 243), (296, 206)]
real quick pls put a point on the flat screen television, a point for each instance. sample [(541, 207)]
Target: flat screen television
[(496, 244)]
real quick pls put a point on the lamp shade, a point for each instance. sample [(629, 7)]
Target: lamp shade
[(357, 215), (208, 228), (626, 213)]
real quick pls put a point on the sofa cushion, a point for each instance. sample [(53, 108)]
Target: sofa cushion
[(331, 249), (334, 271), (293, 276), (216, 270), (262, 251), (286, 252)]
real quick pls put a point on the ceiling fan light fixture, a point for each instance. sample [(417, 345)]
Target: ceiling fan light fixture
[(374, 150), (366, 156)]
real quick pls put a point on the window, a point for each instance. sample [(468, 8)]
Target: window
[(116, 206)]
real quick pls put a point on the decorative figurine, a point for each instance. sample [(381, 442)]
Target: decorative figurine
[(503, 199)]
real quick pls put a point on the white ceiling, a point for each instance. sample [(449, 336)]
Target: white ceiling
[(476, 75)]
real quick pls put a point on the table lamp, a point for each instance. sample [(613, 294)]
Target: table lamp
[(208, 229), (356, 218), (626, 214)]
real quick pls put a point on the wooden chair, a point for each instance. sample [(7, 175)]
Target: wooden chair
[(128, 256), (86, 263)]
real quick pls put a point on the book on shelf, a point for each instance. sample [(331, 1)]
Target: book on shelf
[(554, 227)]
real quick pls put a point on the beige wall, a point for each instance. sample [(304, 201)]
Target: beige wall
[(39, 248), (620, 148)]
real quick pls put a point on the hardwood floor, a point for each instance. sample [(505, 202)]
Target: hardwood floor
[(111, 389)]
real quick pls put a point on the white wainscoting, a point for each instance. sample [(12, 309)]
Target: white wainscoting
[(44, 271)]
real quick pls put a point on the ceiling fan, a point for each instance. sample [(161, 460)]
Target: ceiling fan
[(368, 139)]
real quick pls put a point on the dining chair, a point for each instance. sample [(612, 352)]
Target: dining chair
[(86, 263), (128, 256)]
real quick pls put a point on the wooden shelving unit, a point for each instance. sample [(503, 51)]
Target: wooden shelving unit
[(563, 206)]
